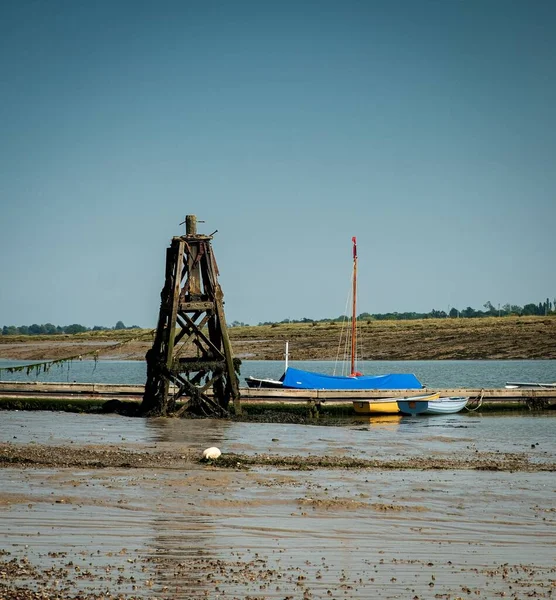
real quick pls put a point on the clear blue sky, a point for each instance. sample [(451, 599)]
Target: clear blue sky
[(425, 128)]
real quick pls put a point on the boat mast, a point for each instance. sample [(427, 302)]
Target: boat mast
[(354, 309)]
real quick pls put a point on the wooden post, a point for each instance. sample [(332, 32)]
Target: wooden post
[(191, 352), (191, 225)]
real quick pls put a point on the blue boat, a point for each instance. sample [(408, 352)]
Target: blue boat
[(296, 379)]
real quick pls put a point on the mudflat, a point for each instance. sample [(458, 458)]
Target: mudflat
[(286, 512), (425, 339)]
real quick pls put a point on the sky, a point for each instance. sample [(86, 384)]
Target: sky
[(426, 128)]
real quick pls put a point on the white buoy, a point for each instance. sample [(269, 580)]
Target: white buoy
[(211, 453)]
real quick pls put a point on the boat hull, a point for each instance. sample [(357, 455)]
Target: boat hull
[(366, 407), (513, 385), (446, 406), (253, 382), (412, 405), (298, 379)]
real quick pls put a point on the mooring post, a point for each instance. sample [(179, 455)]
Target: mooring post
[(191, 348), (190, 225)]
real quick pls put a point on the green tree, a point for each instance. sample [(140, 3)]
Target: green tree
[(75, 328), (490, 308), (238, 324), (35, 329), (364, 316), (119, 325), (50, 329), (468, 312), (530, 309)]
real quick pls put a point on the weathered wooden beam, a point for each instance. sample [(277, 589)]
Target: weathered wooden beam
[(195, 306), (186, 329), (174, 301), (52, 389), (193, 327), (232, 378), (189, 364), (190, 224), (501, 394)]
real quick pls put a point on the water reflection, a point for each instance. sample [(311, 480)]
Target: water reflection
[(384, 434), (390, 422), (182, 556), (190, 432)]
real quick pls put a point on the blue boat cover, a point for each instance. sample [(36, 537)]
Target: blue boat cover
[(305, 380)]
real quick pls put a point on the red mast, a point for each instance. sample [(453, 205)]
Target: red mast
[(354, 373)]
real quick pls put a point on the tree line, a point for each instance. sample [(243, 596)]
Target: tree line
[(50, 329), (547, 307)]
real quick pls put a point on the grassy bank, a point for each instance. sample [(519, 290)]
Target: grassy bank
[(424, 339)]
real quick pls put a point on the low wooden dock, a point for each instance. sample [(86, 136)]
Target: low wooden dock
[(13, 389)]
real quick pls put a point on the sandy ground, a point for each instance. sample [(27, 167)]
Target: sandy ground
[(153, 521)]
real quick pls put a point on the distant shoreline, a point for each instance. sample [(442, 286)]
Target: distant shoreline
[(517, 338)]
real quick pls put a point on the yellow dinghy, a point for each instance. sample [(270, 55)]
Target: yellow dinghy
[(391, 406), (388, 406)]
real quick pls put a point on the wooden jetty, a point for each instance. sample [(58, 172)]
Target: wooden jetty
[(14, 389)]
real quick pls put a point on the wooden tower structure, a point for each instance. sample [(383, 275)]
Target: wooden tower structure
[(191, 353)]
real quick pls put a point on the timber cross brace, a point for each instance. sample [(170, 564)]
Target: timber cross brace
[(191, 353)]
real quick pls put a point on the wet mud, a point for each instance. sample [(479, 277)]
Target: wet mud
[(103, 510), (104, 457)]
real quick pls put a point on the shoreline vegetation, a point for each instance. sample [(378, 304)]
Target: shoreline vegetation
[(544, 308), (487, 338)]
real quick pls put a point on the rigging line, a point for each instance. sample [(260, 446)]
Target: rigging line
[(350, 346), (345, 340), (360, 329), (343, 330), (346, 363), (347, 345), (349, 349), (358, 343)]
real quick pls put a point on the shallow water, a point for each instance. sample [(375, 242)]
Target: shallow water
[(220, 534), (364, 437), (202, 532), (433, 373)]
